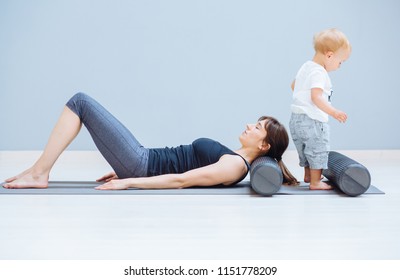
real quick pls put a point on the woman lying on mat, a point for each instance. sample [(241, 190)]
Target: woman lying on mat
[(203, 163)]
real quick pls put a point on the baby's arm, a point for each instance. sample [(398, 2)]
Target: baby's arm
[(320, 102)]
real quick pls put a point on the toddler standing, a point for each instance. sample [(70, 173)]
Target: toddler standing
[(312, 91)]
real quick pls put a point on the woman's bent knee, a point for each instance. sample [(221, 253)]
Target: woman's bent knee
[(76, 101), (80, 96)]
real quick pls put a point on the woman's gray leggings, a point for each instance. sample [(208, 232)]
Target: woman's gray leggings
[(115, 142)]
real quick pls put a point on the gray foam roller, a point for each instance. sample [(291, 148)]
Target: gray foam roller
[(265, 176), (351, 177)]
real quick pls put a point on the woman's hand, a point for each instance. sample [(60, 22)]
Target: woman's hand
[(116, 184), (108, 177)]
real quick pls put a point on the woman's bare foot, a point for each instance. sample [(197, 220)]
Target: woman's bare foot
[(320, 186), (28, 179)]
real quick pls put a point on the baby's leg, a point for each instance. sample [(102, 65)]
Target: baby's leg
[(298, 129), (316, 151), (307, 176), (315, 182)]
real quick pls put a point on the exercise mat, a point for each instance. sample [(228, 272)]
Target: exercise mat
[(243, 188)]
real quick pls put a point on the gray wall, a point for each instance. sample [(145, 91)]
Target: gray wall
[(173, 70)]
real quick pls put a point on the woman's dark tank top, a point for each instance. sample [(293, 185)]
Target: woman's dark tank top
[(201, 152)]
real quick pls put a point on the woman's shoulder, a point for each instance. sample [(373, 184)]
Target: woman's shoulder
[(204, 140), (208, 143), (210, 147)]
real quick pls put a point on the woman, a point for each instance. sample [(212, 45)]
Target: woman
[(203, 163)]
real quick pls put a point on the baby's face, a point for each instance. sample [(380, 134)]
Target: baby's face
[(335, 59)]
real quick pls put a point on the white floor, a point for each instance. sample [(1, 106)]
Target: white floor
[(199, 227)]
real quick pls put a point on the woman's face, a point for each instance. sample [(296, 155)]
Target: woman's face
[(254, 134)]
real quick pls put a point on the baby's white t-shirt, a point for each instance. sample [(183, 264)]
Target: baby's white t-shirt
[(311, 75)]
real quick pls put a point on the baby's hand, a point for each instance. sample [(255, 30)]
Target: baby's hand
[(340, 116)]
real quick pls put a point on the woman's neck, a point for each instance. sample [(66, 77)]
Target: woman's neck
[(248, 154)]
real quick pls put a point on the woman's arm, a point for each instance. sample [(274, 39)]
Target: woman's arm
[(226, 171)]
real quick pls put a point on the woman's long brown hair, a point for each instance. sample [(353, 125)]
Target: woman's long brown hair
[(278, 139)]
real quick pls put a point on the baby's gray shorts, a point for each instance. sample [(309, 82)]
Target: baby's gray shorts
[(311, 138)]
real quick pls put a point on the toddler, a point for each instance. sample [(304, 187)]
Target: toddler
[(312, 91)]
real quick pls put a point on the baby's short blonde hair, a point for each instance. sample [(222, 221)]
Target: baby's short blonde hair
[(330, 40)]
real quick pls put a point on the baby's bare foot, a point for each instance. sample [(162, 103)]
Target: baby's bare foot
[(320, 186), (27, 179), (308, 179)]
